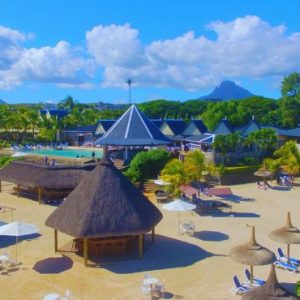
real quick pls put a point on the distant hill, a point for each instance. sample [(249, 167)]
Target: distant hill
[(2, 102), (227, 90)]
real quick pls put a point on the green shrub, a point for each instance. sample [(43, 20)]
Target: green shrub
[(4, 144), (243, 169), (147, 165)]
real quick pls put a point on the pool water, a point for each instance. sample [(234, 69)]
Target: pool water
[(69, 153)]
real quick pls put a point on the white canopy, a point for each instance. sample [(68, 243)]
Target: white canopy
[(179, 205), (161, 182), (18, 229)]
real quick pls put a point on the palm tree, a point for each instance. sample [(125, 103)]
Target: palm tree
[(288, 157), (175, 173), (194, 165)]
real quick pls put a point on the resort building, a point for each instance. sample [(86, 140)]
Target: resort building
[(173, 128), (133, 129), (54, 113), (194, 128), (102, 127)]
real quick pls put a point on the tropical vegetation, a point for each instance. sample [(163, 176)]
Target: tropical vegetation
[(193, 168), (147, 164)]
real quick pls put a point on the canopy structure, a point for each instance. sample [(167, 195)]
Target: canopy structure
[(271, 290), (18, 229), (43, 177), (133, 128), (179, 205), (263, 173), (105, 204), (287, 234), (252, 254)]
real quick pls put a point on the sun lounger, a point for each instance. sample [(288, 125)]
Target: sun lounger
[(286, 266), (256, 281), (284, 258), (238, 289)]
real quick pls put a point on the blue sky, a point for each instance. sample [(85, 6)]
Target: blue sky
[(171, 49)]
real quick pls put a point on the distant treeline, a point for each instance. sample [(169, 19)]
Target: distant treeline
[(284, 112)]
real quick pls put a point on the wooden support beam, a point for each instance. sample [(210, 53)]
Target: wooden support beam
[(40, 195), (153, 234), (55, 241), (140, 245), (85, 251)]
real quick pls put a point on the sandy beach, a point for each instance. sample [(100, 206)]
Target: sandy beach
[(191, 267)]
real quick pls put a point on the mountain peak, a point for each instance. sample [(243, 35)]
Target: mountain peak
[(228, 90), (2, 101)]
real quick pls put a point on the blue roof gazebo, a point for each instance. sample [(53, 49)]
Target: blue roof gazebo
[(133, 128)]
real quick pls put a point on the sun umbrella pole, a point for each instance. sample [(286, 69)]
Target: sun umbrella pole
[(16, 248), (178, 222), (288, 252), (251, 275)]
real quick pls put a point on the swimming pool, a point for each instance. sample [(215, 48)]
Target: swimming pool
[(68, 153)]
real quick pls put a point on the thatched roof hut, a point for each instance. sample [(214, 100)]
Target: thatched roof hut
[(44, 176), (41, 177), (105, 204), (271, 290)]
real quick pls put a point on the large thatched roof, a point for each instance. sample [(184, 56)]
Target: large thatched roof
[(43, 176), (271, 290), (105, 203)]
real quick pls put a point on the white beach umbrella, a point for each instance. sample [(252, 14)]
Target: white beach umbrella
[(161, 182), (179, 205), (18, 229)]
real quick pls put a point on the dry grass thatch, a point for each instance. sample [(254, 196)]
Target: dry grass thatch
[(271, 290), (252, 253), (44, 176), (287, 234), (105, 203)]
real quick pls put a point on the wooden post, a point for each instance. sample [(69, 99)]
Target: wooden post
[(153, 234), (0, 187), (55, 240), (18, 191), (85, 251), (40, 195), (251, 275), (140, 245)]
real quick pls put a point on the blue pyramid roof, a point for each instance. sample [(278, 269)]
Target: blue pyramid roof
[(133, 128)]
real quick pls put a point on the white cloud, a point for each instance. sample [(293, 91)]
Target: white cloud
[(244, 47), (60, 64), (115, 45), (10, 47)]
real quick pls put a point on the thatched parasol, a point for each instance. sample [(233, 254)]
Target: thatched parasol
[(263, 173), (252, 254), (287, 234), (271, 290)]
